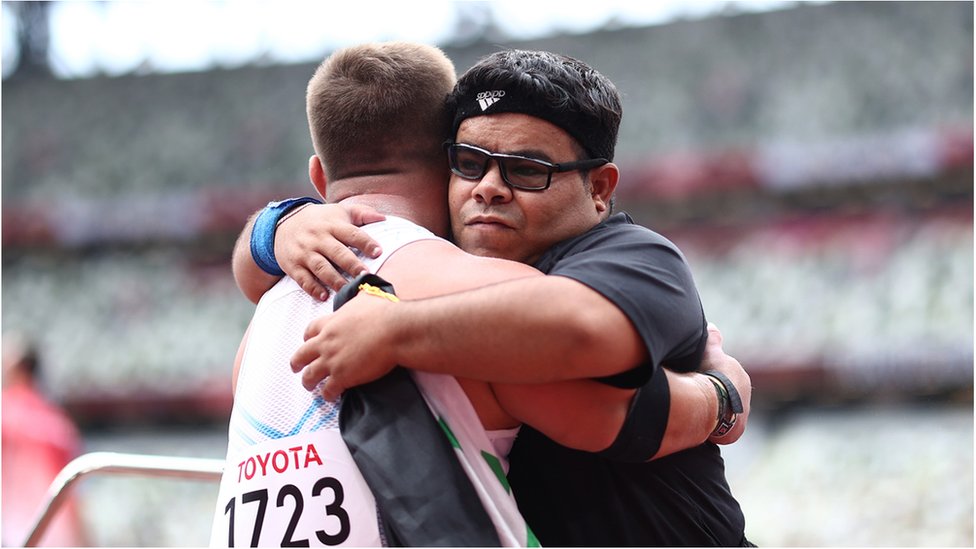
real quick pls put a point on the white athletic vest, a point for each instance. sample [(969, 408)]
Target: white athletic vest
[(289, 477)]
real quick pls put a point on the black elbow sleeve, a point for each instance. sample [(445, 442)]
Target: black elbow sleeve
[(642, 432)]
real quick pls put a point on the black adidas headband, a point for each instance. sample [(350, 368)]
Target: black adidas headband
[(587, 130)]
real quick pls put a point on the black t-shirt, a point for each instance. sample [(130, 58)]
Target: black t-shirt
[(573, 498)]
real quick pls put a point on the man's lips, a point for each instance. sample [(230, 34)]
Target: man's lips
[(487, 221)]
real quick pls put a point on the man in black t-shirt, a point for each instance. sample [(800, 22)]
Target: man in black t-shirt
[(534, 135), (571, 497)]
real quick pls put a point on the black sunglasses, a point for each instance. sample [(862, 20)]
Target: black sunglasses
[(519, 172)]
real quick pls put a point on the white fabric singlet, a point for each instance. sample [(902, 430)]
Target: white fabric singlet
[(289, 477)]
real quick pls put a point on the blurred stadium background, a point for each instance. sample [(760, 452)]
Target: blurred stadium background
[(815, 163)]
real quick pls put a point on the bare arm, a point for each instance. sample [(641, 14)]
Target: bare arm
[(251, 280), (588, 416), (573, 332), (692, 414), (532, 330), (580, 414)]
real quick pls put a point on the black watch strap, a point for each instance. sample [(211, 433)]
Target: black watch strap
[(734, 399)]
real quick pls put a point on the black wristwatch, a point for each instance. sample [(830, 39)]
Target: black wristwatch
[(729, 403)]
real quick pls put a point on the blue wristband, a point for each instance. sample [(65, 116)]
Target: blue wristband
[(263, 232)]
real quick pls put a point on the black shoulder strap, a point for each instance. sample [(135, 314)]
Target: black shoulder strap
[(424, 496)]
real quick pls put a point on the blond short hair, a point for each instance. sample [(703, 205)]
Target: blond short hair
[(379, 101)]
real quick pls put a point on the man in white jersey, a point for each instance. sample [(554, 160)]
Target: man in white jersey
[(284, 443), (377, 119)]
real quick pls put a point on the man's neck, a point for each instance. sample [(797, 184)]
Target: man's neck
[(386, 204), (412, 195), (399, 206)]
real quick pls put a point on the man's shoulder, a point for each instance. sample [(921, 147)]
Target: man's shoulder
[(394, 224), (287, 293), (397, 231), (624, 225), (609, 238), (283, 287)]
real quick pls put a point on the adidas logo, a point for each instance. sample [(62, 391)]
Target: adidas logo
[(489, 98)]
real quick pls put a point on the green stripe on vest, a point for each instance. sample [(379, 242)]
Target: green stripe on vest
[(449, 433)]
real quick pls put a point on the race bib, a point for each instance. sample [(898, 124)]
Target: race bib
[(298, 491)]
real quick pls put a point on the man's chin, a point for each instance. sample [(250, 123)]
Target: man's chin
[(495, 250)]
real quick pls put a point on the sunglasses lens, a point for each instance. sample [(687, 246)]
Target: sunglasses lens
[(468, 163), (526, 173)]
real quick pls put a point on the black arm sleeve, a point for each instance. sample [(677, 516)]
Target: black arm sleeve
[(642, 432), (648, 279)]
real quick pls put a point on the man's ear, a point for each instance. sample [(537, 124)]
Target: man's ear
[(316, 173), (603, 181)]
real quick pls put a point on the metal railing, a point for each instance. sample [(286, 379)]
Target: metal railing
[(118, 464)]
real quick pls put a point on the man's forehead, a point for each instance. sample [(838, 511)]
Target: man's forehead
[(510, 132)]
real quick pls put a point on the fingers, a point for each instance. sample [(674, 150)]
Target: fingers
[(302, 358), (313, 329), (310, 283), (307, 352), (313, 370), (333, 257), (326, 274), (320, 276), (312, 375), (338, 253), (357, 238), (307, 361), (331, 390), (360, 214), (312, 246)]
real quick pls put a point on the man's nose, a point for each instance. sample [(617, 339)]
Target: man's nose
[(492, 189)]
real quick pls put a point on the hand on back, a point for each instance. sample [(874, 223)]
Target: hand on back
[(312, 245)]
